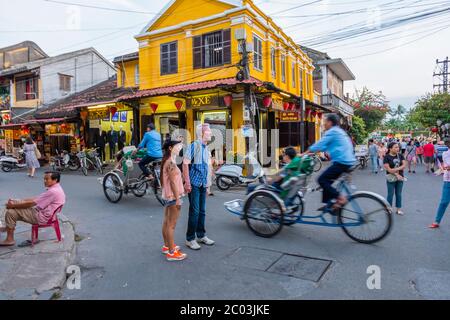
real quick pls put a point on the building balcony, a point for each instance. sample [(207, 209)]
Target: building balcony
[(337, 104)]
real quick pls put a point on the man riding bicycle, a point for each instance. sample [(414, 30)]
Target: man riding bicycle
[(338, 144), (152, 142)]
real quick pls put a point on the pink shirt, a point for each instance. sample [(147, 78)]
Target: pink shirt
[(446, 159), (167, 193), (48, 202)]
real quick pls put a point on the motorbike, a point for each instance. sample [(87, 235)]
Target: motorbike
[(9, 162), (230, 175), (362, 155), (65, 161)]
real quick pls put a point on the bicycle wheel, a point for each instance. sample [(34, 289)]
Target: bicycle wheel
[(74, 165), (84, 168), (317, 164), (298, 207), (112, 188), (367, 219), (99, 166), (263, 214), (140, 189), (157, 190)]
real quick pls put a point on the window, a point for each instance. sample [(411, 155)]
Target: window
[(294, 75), (257, 53), (122, 75), (283, 68), (136, 74), (307, 83), (169, 58), (212, 49), (301, 79), (65, 82), (273, 62), (27, 88)]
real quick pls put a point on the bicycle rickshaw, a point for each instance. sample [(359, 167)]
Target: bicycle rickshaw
[(125, 178), (366, 218)]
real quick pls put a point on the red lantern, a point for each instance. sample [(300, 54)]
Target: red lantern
[(320, 115), (267, 101), (154, 107), (308, 112), (291, 106), (178, 104), (434, 130), (314, 114), (286, 106), (228, 99), (113, 110)]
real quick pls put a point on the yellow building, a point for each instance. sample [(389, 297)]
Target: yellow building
[(188, 61)]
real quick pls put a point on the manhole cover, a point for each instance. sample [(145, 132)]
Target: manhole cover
[(300, 267), (254, 258)]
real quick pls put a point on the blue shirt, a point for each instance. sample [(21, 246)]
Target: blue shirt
[(152, 142), (440, 150), (338, 144), (198, 154)]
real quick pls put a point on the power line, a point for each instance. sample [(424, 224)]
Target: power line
[(296, 7), (98, 7)]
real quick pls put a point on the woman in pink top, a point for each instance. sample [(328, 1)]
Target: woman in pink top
[(172, 192), (381, 153)]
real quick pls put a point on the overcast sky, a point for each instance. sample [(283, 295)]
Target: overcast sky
[(404, 72)]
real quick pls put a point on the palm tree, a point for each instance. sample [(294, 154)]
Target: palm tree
[(398, 112)]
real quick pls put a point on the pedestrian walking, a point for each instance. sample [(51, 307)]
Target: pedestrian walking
[(195, 172), (31, 156), (373, 155), (428, 155), (419, 152), (172, 193), (394, 164), (403, 145), (445, 198), (411, 156), (440, 149), (381, 153)]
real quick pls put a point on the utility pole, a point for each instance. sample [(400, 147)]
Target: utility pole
[(302, 121), (443, 85)]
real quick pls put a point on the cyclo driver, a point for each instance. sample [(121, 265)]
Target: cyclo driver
[(152, 142)]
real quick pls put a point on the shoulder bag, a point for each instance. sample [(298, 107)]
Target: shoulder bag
[(37, 152)]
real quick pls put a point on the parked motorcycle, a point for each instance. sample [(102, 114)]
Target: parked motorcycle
[(9, 162), (230, 175), (65, 161), (362, 155)]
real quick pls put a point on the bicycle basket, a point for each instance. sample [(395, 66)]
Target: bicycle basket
[(92, 154)]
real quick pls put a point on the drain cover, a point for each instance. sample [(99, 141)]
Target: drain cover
[(254, 258), (304, 268)]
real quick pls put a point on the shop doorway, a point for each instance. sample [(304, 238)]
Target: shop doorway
[(219, 121)]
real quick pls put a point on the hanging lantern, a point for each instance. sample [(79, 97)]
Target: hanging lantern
[(154, 106), (267, 101), (319, 114), (291, 106), (178, 104), (228, 99), (434, 130), (313, 114), (84, 115), (286, 106), (113, 110), (308, 112)]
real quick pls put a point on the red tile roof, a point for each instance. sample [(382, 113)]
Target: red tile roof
[(187, 87), (32, 121)]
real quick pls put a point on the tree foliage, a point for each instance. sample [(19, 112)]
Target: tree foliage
[(358, 130), (431, 108), (371, 107)]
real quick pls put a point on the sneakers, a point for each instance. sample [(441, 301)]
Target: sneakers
[(206, 241), (165, 250), (433, 225), (193, 245), (177, 255)]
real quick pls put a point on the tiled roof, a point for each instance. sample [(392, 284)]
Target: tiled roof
[(126, 57), (104, 92), (187, 87)]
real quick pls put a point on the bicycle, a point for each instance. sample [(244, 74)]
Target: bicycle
[(122, 180), (317, 163), (90, 160), (265, 213)]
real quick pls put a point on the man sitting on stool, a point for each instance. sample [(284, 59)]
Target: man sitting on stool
[(36, 210)]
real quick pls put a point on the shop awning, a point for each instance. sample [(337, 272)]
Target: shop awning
[(187, 87), (32, 121)]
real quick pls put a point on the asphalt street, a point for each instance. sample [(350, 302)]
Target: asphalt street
[(119, 252)]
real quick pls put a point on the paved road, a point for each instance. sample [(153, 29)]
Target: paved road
[(120, 251)]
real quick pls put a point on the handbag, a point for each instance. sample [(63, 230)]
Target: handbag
[(391, 178), (37, 152)]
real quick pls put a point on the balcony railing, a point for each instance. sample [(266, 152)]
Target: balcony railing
[(338, 104)]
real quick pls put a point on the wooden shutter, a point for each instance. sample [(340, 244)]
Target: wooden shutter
[(226, 38), (197, 51)]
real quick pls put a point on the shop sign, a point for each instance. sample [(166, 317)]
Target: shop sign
[(206, 100), (292, 116), (98, 114)]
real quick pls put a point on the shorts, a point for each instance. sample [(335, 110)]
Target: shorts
[(411, 158), (429, 159), (170, 203)]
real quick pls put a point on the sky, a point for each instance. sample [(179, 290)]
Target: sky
[(399, 61)]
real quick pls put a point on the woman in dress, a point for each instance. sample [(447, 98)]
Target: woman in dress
[(411, 156), (30, 156)]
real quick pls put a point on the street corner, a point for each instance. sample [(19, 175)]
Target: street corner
[(36, 273)]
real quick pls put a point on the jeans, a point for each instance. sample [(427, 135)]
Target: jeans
[(197, 213), (395, 187), (374, 162), (328, 177), (144, 162), (445, 200)]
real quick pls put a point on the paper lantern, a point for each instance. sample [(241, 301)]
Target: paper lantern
[(228, 99), (434, 130), (291, 106), (267, 101), (320, 115), (313, 114), (154, 106), (178, 104), (286, 106), (308, 112), (84, 115), (113, 110)]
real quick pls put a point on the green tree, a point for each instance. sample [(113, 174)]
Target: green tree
[(431, 108), (358, 130), (371, 107), (398, 112)]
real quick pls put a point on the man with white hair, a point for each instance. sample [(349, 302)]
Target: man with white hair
[(195, 172)]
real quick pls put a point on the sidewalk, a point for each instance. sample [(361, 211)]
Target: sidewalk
[(36, 272)]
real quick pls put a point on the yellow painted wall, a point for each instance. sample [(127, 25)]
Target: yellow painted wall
[(129, 67)]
